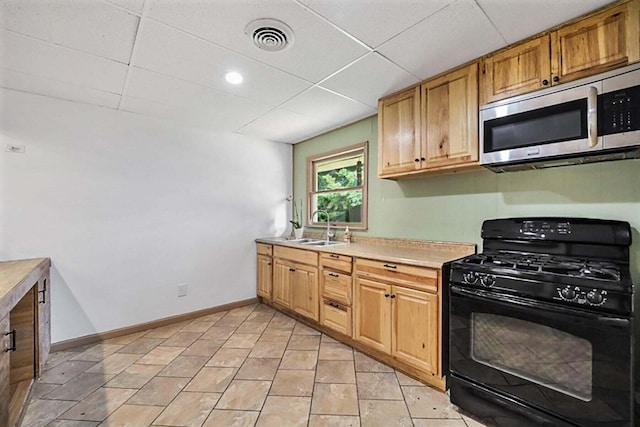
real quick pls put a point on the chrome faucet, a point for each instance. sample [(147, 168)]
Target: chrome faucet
[(328, 223)]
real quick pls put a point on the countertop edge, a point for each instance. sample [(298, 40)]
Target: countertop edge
[(11, 294), (446, 253)]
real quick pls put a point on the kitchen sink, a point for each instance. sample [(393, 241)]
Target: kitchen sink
[(322, 243), (304, 241)]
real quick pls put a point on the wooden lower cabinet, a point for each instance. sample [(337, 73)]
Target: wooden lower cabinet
[(399, 321), (373, 314), (415, 328), (44, 321), (5, 366), (23, 358), (281, 283), (295, 286), (305, 291), (265, 274)]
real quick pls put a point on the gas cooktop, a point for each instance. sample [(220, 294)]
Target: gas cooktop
[(560, 265)]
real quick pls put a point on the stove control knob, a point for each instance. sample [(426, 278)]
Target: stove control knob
[(470, 277), (568, 293), (595, 297), (488, 281)]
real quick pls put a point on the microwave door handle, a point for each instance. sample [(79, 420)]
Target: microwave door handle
[(592, 116)]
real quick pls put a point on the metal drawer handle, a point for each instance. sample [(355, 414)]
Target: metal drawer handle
[(393, 295), (334, 275), (334, 256), (13, 341), (390, 266), (386, 295), (292, 269)]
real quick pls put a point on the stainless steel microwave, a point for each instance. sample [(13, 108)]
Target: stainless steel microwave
[(589, 120)]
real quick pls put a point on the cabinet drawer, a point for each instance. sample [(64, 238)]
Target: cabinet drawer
[(336, 286), (264, 249), (336, 317), (336, 262), (297, 255), (420, 278)]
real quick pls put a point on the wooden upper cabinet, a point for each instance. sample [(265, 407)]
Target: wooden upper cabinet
[(399, 132), (450, 118), (598, 43), (591, 45), (517, 70)]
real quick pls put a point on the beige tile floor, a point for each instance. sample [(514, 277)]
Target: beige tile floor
[(244, 367)]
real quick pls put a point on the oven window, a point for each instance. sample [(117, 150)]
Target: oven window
[(537, 353)]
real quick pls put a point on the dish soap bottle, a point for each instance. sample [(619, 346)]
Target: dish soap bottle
[(347, 235)]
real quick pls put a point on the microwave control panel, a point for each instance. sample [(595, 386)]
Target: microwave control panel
[(619, 111)]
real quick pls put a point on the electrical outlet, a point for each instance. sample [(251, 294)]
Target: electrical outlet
[(14, 148), (182, 289)]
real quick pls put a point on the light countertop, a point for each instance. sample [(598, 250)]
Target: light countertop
[(16, 278), (413, 252)]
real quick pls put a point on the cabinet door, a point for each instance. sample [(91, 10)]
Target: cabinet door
[(305, 291), (264, 276), (281, 285), (399, 132), (22, 319), (416, 328), (450, 118), (44, 321), (515, 71), (373, 314), (598, 43), (5, 359)]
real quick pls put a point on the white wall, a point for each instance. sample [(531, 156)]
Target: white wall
[(127, 207)]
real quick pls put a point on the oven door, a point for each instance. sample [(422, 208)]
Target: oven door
[(572, 364)]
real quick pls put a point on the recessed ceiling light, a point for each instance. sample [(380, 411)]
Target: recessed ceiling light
[(234, 77)]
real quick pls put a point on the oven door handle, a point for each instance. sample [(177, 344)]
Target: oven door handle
[(482, 295)]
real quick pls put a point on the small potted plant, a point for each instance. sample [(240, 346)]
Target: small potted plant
[(296, 221)]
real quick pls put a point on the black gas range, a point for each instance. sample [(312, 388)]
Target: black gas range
[(541, 327)]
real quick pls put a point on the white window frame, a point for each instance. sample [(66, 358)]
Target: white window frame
[(311, 185)]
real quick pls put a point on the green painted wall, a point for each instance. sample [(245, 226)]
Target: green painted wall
[(452, 208)]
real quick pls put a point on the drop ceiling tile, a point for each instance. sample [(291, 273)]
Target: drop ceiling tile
[(57, 89), (456, 34), (170, 91), (132, 5), (537, 13), (281, 125), (328, 107), (319, 49), (88, 26), (183, 117), (172, 52), (369, 79), (375, 21), (31, 56)]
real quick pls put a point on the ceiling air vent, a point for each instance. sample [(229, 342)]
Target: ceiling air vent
[(270, 34)]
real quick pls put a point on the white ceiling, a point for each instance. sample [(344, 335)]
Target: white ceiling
[(167, 58)]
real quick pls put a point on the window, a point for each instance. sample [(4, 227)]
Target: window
[(337, 185)]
